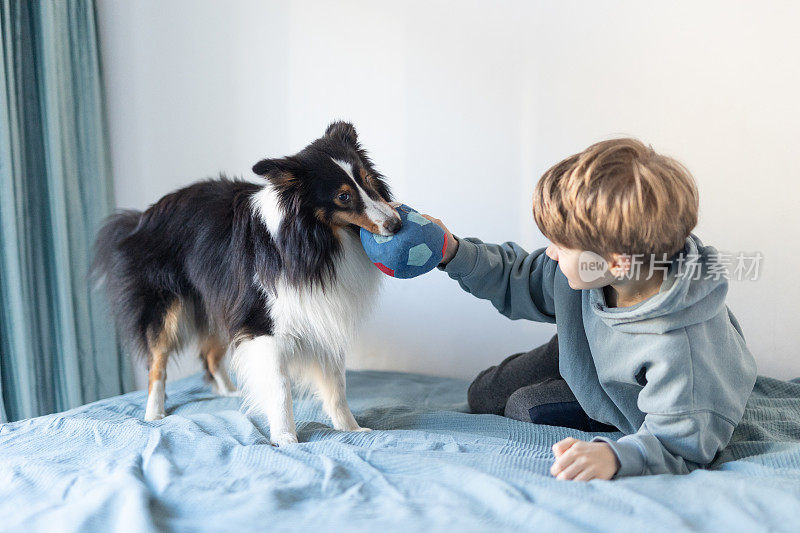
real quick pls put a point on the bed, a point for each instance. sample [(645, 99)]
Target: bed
[(427, 466)]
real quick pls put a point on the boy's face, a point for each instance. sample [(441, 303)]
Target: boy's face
[(583, 270)]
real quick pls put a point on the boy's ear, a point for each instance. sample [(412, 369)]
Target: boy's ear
[(344, 131), (280, 172), (619, 264)]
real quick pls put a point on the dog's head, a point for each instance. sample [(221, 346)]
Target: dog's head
[(333, 178)]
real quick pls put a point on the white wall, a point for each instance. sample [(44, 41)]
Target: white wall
[(463, 105)]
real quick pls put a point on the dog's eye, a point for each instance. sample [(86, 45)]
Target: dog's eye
[(344, 197)]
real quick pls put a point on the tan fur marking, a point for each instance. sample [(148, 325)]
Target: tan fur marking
[(212, 351), (158, 369), (369, 183), (166, 339), (359, 219), (367, 178), (162, 342)]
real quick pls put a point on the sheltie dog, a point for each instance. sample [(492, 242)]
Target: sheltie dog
[(275, 272)]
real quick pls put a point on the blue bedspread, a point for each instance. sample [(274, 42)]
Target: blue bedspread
[(429, 466)]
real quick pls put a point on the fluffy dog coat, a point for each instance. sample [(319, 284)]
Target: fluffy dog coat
[(275, 273)]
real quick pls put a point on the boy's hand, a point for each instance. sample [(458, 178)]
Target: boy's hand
[(452, 242), (581, 461)]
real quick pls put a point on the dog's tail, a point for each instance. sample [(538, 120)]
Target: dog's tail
[(114, 229)]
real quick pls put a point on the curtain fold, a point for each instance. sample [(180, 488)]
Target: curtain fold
[(58, 347)]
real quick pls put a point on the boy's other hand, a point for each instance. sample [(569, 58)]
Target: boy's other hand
[(452, 242), (581, 461)]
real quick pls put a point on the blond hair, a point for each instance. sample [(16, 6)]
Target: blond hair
[(617, 196)]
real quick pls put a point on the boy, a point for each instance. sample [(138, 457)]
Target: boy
[(645, 342)]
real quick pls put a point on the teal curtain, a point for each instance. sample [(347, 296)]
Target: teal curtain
[(58, 348)]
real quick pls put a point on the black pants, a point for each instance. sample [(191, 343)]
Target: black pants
[(528, 387)]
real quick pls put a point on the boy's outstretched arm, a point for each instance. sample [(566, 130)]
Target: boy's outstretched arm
[(519, 284)]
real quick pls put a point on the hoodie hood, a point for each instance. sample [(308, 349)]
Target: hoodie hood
[(688, 295)]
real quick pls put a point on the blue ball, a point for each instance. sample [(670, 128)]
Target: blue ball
[(416, 249)]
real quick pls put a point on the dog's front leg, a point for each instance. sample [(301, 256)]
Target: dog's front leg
[(260, 366), (330, 384)]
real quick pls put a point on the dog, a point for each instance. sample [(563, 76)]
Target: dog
[(273, 271)]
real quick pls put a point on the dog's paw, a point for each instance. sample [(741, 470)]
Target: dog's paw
[(229, 393), (151, 417), (284, 439), (363, 429)]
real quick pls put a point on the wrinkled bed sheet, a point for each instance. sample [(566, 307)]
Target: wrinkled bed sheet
[(427, 466)]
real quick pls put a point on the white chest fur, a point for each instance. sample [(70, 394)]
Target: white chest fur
[(327, 318), (313, 318)]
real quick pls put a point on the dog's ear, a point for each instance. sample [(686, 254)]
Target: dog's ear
[(344, 131), (265, 167), (281, 172)]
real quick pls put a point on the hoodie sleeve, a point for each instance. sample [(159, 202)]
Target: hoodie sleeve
[(519, 284), (671, 444)]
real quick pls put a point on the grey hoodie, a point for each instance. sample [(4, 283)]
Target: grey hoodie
[(673, 372)]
